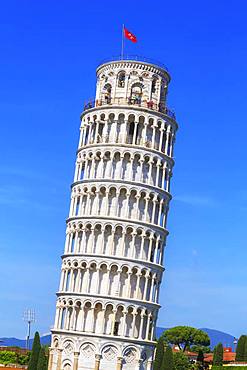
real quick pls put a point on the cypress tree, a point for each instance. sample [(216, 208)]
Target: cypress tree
[(35, 353), (240, 350), (218, 355), (42, 360), (159, 354), (168, 363), (245, 349), (214, 355), (200, 356)]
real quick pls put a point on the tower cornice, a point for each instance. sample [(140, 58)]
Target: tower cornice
[(108, 337), (107, 298), (120, 220), (110, 258), (132, 184), (131, 109), (133, 148), (142, 66)]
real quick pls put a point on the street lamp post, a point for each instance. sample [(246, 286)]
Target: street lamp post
[(29, 318)]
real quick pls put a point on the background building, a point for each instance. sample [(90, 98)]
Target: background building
[(107, 304)]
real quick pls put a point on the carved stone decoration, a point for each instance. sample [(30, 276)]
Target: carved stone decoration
[(68, 348), (88, 350), (55, 343), (144, 356), (110, 353), (67, 366), (134, 73), (130, 355)]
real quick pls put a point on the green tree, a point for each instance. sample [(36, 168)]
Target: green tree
[(218, 355), (186, 336), (245, 350), (35, 353), (214, 353), (181, 361), (8, 357), (23, 359), (159, 354), (240, 350), (167, 363), (200, 356), (42, 360), (197, 348), (46, 348)]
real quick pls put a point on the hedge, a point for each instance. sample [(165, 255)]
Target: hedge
[(229, 368)]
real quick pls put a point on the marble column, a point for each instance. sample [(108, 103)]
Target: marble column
[(119, 363), (59, 359), (149, 364), (97, 362), (50, 358), (75, 364)]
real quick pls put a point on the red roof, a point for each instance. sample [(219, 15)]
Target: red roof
[(227, 357), (17, 367)]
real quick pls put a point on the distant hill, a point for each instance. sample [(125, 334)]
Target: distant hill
[(215, 336), (14, 342)]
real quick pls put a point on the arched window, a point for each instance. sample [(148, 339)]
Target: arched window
[(154, 83), (116, 327), (101, 127), (77, 209), (131, 131), (107, 93), (82, 172), (136, 93), (86, 135), (73, 241), (63, 318), (121, 79), (67, 282), (131, 128)]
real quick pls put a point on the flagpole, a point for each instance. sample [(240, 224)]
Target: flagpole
[(122, 49)]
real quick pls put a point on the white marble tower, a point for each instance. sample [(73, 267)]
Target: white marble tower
[(107, 303)]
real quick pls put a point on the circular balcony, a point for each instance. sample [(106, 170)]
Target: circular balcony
[(91, 103)]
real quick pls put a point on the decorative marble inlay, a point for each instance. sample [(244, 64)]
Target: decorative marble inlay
[(130, 355), (110, 353), (68, 348), (88, 350)]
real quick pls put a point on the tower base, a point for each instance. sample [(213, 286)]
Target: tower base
[(89, 352)]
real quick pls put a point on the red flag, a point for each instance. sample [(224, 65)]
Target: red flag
[(129, 35)]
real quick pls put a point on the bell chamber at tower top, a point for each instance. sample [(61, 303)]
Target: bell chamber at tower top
[(131, 83)]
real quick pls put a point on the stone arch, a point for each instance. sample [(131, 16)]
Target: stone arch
[(130, 355), (121, 117), (87, 350), (121, 78), (66, 365), (55, 341), (110, 353), (109, 307), (107, 92), (68, 346)]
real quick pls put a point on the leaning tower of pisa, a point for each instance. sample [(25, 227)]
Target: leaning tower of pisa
[(108, 299)]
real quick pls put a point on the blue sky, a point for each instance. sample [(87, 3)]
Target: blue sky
[(49, 52)]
